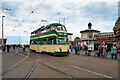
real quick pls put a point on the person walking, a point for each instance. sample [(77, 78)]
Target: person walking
[(76, 47), (79, 49), (89, 50), (104, 49), (23, 47), (3, 48), (86, 49), (83, 49), (13, 46), (8, 48), (114, 51)]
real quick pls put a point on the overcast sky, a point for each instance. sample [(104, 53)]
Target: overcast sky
[(77, 13)]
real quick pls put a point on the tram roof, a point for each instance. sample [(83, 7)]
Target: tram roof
[(46, 27)]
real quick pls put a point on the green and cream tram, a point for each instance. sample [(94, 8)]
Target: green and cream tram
[(52, 38)]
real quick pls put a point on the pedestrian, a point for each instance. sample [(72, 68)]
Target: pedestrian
[(114, 51), (99, 50), (79, 49), (23, 47), (13, 46), (70, 47), (83, 49), (89, 50), (104, 49), (3, 48), (76, 48), (8, 48)]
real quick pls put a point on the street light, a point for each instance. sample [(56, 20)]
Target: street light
[(2, 29)]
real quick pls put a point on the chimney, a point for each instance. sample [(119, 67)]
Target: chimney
[(89, 25)]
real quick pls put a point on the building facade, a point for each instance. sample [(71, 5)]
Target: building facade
[(70, 36), (116, 30), (5, 40), (107, 37), (87, 36)]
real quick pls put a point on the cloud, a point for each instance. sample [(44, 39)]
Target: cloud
[(77, 13)]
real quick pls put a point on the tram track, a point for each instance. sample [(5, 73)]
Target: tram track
[(59, 71), (16, 64), (30, 72)]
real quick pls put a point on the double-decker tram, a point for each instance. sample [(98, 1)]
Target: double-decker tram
[(52, 39)]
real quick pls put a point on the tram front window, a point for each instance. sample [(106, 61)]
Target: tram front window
[(61, 28)]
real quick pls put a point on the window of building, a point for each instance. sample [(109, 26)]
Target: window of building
[(84, 35)]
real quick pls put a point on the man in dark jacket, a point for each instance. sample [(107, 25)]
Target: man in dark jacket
[(8, 48)]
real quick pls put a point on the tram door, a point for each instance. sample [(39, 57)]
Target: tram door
[(38, 45)]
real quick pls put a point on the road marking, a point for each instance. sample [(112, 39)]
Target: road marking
[(14, 65), (14, 54), (92, 72)]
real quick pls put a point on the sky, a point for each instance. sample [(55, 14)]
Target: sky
[(19, 22)]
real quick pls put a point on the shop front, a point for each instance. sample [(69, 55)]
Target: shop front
[(109, 41), (116, 30)]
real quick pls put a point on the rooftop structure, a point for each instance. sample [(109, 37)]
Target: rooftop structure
[(89, 29)]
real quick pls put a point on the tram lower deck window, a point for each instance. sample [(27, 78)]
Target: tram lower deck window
[(50, 41), (62, 40)]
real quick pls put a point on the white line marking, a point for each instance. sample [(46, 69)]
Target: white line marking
[(14, 65), (14, 54), (92, 72)]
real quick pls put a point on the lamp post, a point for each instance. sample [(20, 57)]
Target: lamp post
[(2, 29)]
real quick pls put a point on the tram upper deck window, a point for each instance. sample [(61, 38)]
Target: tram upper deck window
[(61, 28), (52, 28)]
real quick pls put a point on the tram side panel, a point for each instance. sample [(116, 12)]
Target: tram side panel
[(61, 48)]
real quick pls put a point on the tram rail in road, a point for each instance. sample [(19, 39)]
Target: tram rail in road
[(15, 64), (53, 68), (30, 72)]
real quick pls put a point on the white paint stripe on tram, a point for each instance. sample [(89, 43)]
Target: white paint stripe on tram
[(91, 72)]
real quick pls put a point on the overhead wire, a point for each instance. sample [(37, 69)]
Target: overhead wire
[(71, 7)]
